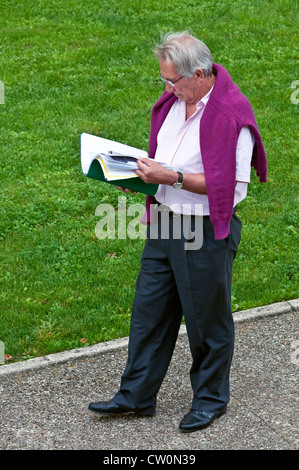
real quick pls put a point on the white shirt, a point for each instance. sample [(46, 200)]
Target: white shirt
[(178, 146)]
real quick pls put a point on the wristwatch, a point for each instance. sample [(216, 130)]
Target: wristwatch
[(179, 183)]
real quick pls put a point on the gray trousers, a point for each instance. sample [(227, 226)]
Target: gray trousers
[(175, 282)]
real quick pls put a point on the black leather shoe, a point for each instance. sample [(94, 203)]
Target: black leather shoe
[(106, 408), (196, 420), (110, 408)]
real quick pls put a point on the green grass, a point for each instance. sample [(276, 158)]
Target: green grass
[(70, 67)]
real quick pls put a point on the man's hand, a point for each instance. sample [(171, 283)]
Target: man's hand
[(126, 190), (151, 171)]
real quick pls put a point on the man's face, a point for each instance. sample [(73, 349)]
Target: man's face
[(186, 89)]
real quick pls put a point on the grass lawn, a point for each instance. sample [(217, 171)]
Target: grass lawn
[(70, 67)]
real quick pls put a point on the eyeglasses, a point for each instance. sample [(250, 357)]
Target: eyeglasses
[(170, 82)]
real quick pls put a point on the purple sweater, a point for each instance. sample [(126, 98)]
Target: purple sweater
[(226, 112)]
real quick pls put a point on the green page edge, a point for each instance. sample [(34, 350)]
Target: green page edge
[(135, 184)]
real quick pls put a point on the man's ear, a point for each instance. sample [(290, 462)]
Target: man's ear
[(199, 74)]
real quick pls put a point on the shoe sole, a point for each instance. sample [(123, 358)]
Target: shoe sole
[(121, 412)]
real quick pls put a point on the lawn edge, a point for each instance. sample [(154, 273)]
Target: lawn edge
[(252, 314)]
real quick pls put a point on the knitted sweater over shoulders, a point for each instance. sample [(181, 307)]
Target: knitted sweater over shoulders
[(226, 112)]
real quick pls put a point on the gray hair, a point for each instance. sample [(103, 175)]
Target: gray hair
[(186, 52)]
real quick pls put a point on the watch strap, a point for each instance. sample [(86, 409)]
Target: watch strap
[(180, 177)]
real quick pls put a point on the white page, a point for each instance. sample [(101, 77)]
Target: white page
[(92, 146)]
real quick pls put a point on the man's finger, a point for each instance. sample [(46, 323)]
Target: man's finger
[(144, 162)]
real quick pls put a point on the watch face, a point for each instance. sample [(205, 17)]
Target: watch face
[(177, 185)]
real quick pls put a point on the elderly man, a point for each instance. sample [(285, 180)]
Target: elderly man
[(204, 127)]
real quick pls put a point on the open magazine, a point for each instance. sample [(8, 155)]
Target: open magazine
[(116, 165), (113, 162)]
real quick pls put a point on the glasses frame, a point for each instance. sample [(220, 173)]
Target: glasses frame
[(169, 82)]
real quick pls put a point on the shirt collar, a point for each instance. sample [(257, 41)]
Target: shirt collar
[(204, 99)]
